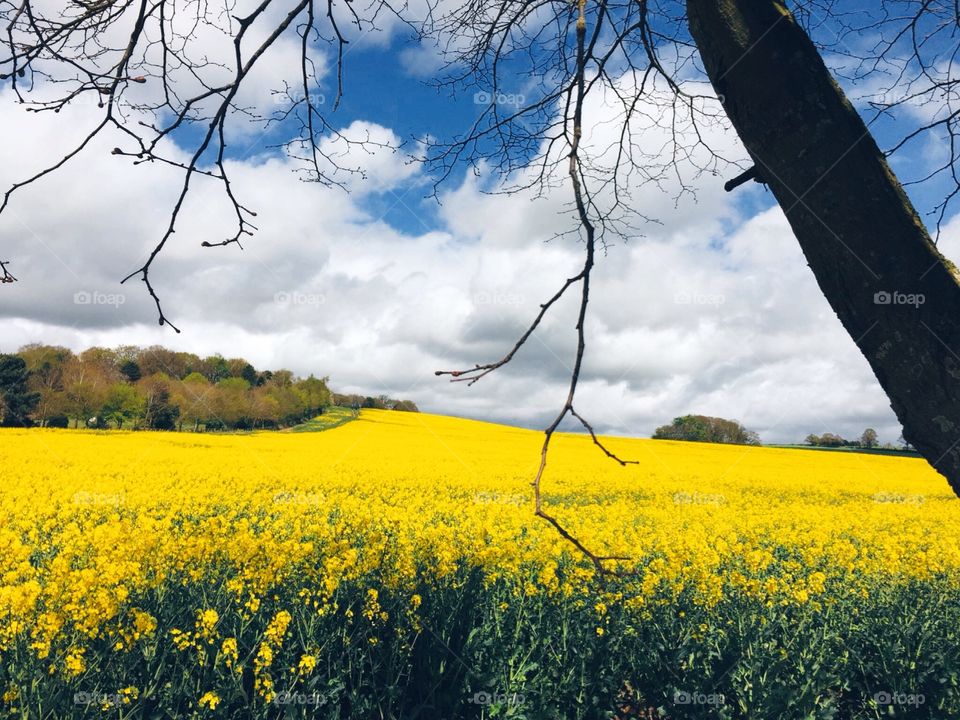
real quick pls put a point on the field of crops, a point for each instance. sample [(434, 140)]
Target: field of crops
[(392, 568)]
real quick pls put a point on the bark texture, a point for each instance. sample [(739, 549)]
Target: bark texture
[(872, 256)]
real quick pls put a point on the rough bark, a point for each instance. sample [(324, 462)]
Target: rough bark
[(874, 261)]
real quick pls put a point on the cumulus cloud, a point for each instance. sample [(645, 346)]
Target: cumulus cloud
[(712, 311)]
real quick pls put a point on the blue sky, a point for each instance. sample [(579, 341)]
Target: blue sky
[(382, 84)]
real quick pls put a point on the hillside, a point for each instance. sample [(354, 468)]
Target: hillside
[(379, 558)]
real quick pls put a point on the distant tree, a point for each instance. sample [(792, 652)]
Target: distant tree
[(188, 363), (832, 440), (104, 359), (166, 384), (45, 364), (351, 400), (812, 439), (130, 370), (159, 413), (237, 367), (231, 402), (85, 387), (869, 438), (291, 407), (702, 428), (193, 396), (250, 374), (124, 402), (156, 359), (126, 352), (279, 378), (18, 400), (314, 393), (265, 408), (214, 368), (687, 427), (406, 406)]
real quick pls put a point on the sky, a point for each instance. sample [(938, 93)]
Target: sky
[(710, 310)]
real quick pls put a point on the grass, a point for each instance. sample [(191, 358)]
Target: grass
[(332, 417), (866, 451)]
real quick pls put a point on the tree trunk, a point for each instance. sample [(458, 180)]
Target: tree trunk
[(874, 261)]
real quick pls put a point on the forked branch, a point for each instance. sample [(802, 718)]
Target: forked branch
[(572, 132), (6, 277)]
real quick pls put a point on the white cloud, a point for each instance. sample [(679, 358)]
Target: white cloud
[(690, 317)]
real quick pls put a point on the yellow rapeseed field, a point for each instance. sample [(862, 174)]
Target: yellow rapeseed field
[(211, 573)]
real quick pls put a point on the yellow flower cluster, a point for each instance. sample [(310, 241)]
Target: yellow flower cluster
[(90, 522)]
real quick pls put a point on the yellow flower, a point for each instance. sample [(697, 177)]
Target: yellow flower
[(277, 628), (371, 608), (264, 657), (73, 663), (209, 700), (228, 650), (144, 624), (307, 664), (771, 527), (207, 619), (182, 640)]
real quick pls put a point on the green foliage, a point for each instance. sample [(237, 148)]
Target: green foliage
[(159, 413), (157, 388), (123, 404), (869, 438), (17, 402), (331, 418), (474, 649), (130, 370), (381, 402), (702, 428)]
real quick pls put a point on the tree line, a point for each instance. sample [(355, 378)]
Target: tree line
[(159, 389), (703, 428), (868, 440)]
